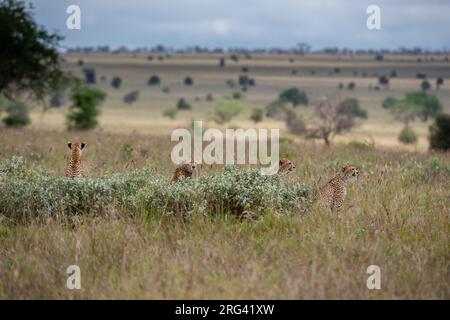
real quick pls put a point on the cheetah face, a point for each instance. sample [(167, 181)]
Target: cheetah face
[(286, 165), (350, 172), (76, 147), (190, 167)]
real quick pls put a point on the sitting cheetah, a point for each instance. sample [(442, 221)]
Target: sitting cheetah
[(74, 168), (285, 166), (332, 195), (186, 170)]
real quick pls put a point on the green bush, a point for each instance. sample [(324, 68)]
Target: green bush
[(226, 109), (131, 97), (170, 113), (407, 135), (257, 115), (84, 109), (182, 104), (27, 192), (294, 96), (16, 115), (440, 133), (351, 106)]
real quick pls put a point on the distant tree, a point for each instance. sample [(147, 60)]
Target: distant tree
[(425, 85), (294, 96), (405, 111), (351, 86), (150, 58), (231, 83), (379, 57), (407, 135), (116, 82), (80, 62), (257, 115), (29, 57), (222, 62), (226, 109), (183, 105), (89, 75), (166, 90), (244, 69), (170, 113), (251, 82), (188, 81), (16, 114), (393, 74), (427, 105), (388, 102), (234, 57), (351, 106), (155, 80), (84, 109), (243, 80), (131, 97), (384, 81), (439, 82), (440, 133), (337, 70), (209, 97), (293, 72), (237, 95), (421, 76)]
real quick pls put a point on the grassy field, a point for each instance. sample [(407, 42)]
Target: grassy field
[(395, 215)]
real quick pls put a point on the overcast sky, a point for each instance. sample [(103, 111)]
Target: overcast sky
[(250, 23)]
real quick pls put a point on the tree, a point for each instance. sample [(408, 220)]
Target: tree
[(116, 82), (388, 102), (131, 97), (16, 115), (352, 106), (425, 85), (294, 96), (226, 109), (183, 105), (84, 109), (257, 115), (439, 82), (294, 124), (89, 75), (429, 104), (188, 81), (170, 113), (383, 81), (351, 86), (329, 119), (440, 133), (29, 59), (154, 80)]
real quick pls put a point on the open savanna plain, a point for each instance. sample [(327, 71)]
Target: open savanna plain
[(134, 234)]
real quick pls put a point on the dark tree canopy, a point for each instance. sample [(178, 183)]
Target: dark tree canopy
[(294, 96), (440, 133), (29, 60)]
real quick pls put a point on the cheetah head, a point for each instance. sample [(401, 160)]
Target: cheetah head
[(190, 166), (285, 166), (350, 172), (76, 146)]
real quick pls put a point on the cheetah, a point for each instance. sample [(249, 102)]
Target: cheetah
[(186, 170), (332, 195), (74, 168), (285, 166)]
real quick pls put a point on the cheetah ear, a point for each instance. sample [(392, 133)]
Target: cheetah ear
[(344, 168), (69, 145), (82, 145)]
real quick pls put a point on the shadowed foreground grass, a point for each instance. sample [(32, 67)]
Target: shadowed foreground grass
[(395, 216)]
